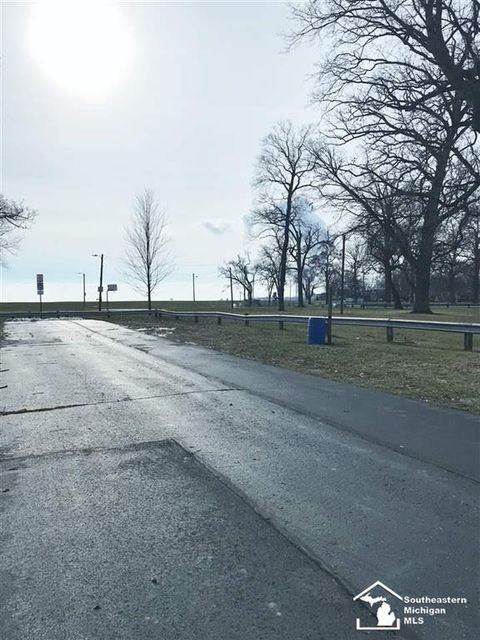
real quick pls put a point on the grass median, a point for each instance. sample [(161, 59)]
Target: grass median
[(427, 365)]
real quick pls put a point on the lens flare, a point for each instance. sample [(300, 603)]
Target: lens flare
[(84, 46)]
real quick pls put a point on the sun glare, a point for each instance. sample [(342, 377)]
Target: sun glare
[(82, 45)]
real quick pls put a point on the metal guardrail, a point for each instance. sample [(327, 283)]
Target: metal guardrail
[(406, 305), (468, 329)]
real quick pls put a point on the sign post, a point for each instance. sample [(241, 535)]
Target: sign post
[(40, 289), (111, 287)]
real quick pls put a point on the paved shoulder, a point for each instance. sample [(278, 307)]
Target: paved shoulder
[(447, 438)]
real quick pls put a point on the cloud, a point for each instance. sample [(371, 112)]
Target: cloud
[(216, 226)]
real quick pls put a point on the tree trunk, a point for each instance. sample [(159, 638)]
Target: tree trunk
[(149, 297), (391, 288), (452, 297), (308, 293), (476, 276), (355, 281), (282, 275), (299, 276), (388, 282), (422, 284), (397, 301), (149, 267)]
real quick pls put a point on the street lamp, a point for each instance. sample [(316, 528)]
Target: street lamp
[(342, 282), (231, 287), (100, 288), (84, 291)]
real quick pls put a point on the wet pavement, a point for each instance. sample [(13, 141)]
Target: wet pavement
[(313, 511)]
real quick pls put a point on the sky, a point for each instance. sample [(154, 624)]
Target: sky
[(100, 101)]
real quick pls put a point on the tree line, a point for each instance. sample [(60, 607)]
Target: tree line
[(396, 156)]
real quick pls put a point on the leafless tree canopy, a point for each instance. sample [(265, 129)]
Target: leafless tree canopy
[(432, 44), (402, 198), (307, 235), (269, 267), (14, 217), (284, 170), (148, 259), (242, 271), (399, 90), (402, 78)]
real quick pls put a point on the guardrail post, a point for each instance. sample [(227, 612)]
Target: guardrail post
[(156, 313), (468, 341), (246, 319), (219, 319), (389, 334), (329, 316), (280, 325), (196, 318)]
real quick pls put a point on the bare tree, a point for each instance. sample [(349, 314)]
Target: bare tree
[(449, 253), (414, 118), (307, 234), (14, 217), (284, 169), (312, 274), (269, 268), (432, 170), (147, 257), (472, 251), (357, 260), (433, 42), (243, 272), (328, 262)]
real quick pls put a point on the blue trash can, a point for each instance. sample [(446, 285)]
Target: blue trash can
[(316, 331)]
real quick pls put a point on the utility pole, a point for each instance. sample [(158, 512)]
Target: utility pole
[(329, 294), (231, 288), (342, 283), (100, 288), (363, 289), (193, 285), (84, 290), (100, 291)]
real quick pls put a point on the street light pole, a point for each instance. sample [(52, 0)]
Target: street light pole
[(100, 288), (342, 283), (231, 288), (363, 289)]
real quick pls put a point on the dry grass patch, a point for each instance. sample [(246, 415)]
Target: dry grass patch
[(430, 366)]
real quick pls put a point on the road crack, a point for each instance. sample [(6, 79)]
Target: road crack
[(119, 400)]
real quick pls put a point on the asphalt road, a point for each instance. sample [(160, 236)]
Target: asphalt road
[(300, 493)]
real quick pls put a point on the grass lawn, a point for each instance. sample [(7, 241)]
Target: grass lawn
[(430, 366), (7, 307)]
